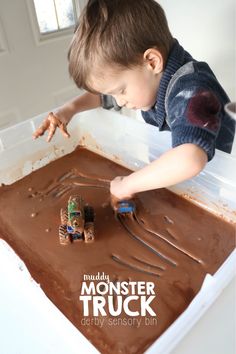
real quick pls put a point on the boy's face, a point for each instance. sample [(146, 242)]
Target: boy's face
[(134, 88)]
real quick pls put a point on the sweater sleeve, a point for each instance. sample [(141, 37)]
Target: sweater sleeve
[(109, 102), (194, 116)]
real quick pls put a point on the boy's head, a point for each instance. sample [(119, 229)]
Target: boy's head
[(120, 47)]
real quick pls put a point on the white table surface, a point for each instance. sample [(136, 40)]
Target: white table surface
[(215, 332)]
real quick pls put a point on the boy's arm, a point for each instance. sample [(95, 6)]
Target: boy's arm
[(174, 166), (80, 104), (64, 114)]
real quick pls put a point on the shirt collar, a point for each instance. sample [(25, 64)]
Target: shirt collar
[(177, 57)]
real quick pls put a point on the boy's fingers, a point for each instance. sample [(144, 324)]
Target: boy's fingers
[(64, 130), (52, 128), (54, 123), (36, 134), (114, 202), (51, 123), (40, 131)]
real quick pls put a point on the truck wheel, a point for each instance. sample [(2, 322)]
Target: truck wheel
[(88, 232), (64, 216), (88, 214), (64, 237)]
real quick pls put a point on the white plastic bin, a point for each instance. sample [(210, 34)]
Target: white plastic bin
[(132, 144)]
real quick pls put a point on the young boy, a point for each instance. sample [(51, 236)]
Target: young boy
[(124, 48)]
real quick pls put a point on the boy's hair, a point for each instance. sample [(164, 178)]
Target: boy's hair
[(116, 32)]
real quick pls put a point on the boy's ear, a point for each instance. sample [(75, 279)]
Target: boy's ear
[(154, 60)]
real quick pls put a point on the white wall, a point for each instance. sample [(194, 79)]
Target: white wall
[(206, 28), (34, 77), (33, 74)]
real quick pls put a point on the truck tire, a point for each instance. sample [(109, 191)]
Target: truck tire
[(88, 214), (89, 232), (64, 237), (64, 216)]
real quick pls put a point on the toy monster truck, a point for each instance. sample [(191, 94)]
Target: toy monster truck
[(125, 207), (77, 222)]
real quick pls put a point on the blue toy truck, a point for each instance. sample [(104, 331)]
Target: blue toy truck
[(125, 207)]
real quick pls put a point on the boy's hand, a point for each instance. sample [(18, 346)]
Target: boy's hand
[(51, 123), (120, 190)]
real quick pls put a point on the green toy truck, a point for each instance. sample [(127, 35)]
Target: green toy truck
[(77, 222)]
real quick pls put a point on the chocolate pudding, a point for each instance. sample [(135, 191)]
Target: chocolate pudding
[(165, 248)]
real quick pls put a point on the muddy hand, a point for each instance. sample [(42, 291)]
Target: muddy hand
[(51, 123), (114, 202)]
